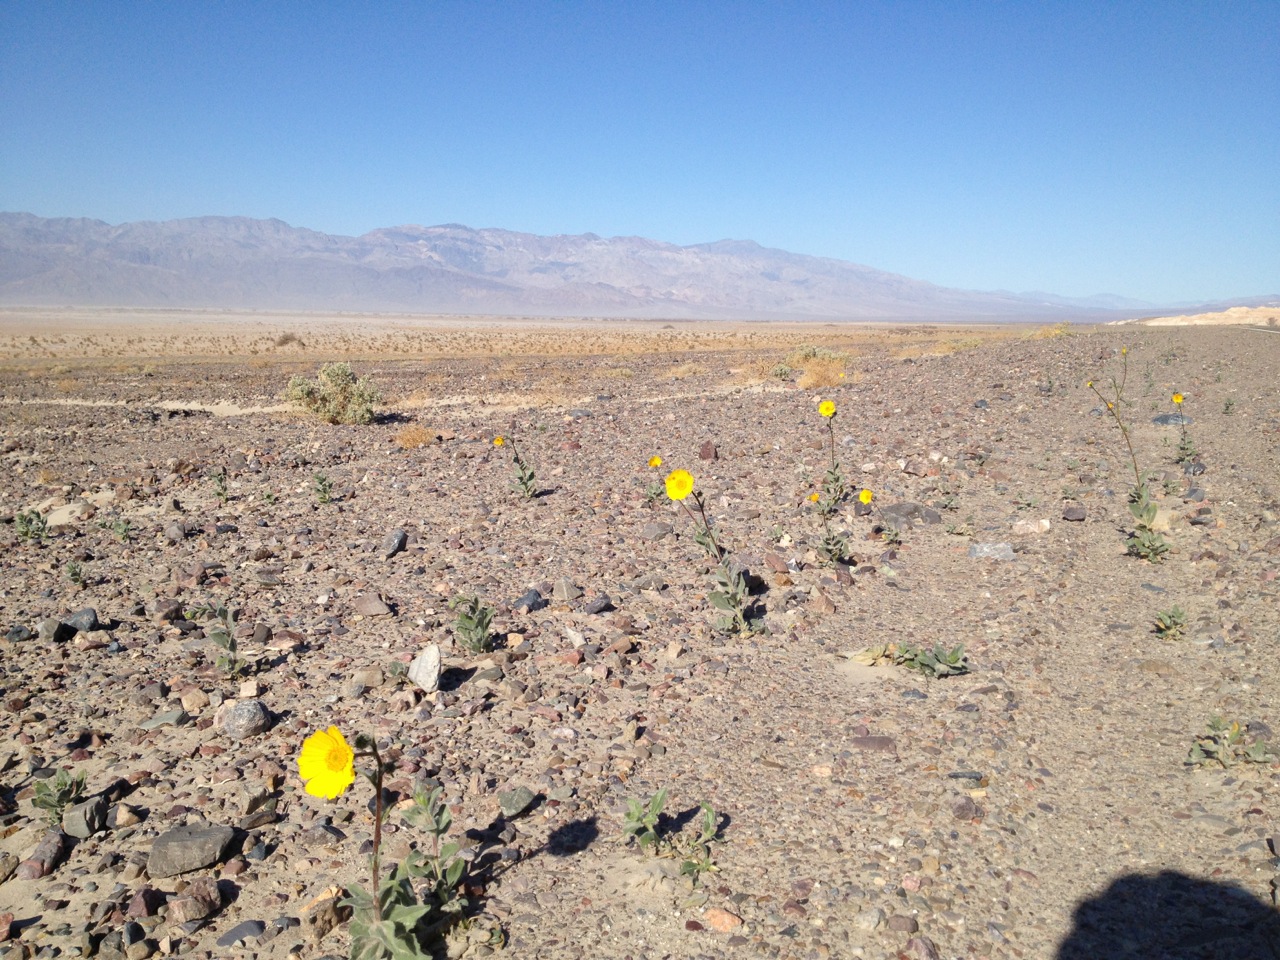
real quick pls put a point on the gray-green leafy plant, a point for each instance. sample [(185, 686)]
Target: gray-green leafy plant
[(474, 623), (75, 572), (54, 797), (1224, 743), (123, 530), (1230, 406), (1145, 541), (336, 396), (323, 487), (526, 479), (220, 486), (732, 594), (936, 661), (642, 822), (419, 898), (220, 630), (31, 525), (1170, 623)]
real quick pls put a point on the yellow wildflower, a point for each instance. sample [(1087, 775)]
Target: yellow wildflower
[(827, 408), (655, 461), (1177, 398), (679, 484), (326, 764), (498, 441), (865, 496), (814, 498)]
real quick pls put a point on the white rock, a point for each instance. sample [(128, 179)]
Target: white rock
[(425, 669)]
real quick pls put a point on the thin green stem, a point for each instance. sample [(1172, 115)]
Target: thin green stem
[(1113, 409), (377, 825)]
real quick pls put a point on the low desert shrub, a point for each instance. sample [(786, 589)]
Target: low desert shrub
[(336, 396)]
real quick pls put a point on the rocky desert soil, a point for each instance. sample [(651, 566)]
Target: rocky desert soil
[(1039, 806)]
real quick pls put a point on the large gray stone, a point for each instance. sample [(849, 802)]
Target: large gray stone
[(200, 899), (188, 848), (370, 605), (83, 620), (85, 819), (242, 932), (242, 719), (514, 802), (393, 543)]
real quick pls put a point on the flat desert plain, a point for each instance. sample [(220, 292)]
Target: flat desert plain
[(1042, 804)]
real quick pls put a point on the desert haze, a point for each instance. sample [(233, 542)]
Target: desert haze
[(235, 262)]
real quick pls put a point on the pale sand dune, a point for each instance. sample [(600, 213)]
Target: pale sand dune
[(1243, 316)]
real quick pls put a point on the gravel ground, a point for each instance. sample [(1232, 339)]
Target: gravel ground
[(1039, 805)]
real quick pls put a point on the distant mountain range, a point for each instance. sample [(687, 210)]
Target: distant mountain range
[(236, 262)]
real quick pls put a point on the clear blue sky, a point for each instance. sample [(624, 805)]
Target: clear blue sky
[(1132, 148)]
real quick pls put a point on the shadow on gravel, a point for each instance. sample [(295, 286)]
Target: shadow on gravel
[(1171, 916), (572, 837)]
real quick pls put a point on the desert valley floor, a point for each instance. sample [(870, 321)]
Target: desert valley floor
[(1040, 805)]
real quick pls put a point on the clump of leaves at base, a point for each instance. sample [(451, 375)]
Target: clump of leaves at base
[(1170, 623), (31, 525), (75, 572), (936, 661), (474, 623), (1225, 744), (1145, 542), (731, 598), (336, 396), (55, 795), (220, 487), (220, 630), (418, 899), (323, 487), (643, 824), (641, 821)]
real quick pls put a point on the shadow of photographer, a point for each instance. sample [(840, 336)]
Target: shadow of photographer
[(1172, 916)]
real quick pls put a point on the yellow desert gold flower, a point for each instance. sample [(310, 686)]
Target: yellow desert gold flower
[(1124, 351), (326, 764), (814, 497), (865, 496), (655, 462), (679, 484), (1177, 398), (827, 408), (498, 441)]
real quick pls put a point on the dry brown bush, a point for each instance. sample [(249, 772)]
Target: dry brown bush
[(822, 372), (414, 436), (686, 370)]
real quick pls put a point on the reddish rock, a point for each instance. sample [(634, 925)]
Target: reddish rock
[(45, 858), (721, 921)]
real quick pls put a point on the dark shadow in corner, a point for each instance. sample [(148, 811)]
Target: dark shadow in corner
[(1171, 916)]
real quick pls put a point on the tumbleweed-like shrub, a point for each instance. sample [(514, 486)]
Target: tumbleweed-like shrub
[(335, 396)]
